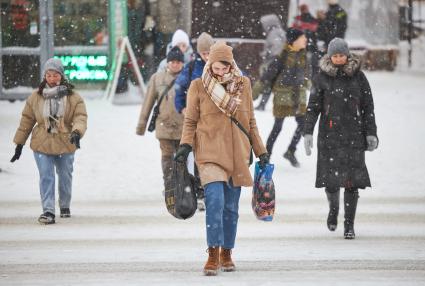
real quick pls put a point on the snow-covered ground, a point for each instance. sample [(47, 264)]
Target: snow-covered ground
[(121, 233)]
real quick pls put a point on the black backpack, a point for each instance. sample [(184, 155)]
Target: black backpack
[(180, 194)]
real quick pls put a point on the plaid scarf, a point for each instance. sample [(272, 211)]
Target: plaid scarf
[(224, 91)]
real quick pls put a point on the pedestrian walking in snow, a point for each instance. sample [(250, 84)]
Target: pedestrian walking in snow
[(342, 97), (190, 72), (332, 24), (169, 123), (308, 24), (60, 119), (286, 77), (275, 41), (180, 39), (222, 149)]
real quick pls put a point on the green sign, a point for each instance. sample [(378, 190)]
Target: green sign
[(85, 68)]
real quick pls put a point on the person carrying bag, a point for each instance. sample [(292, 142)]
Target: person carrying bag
[(221, 150)]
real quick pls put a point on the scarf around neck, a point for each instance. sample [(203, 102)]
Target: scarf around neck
[(54, 107), (224, 91)]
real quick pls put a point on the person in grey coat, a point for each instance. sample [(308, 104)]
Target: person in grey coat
[(275, 41), (341, 95)]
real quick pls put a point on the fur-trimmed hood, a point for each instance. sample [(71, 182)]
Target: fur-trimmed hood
[(350, 68)]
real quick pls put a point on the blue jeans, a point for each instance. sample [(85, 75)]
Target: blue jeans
[(46, 167), (222, 205)]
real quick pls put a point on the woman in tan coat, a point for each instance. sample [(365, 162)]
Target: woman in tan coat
[(222, 150), (60, 119), (169, 123)]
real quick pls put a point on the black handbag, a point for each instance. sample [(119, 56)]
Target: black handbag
[(180, 193), (155, 112)]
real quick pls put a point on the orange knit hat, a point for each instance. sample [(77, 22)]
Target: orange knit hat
[(220, 51)]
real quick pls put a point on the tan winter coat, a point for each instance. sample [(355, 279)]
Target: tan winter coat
[(221, 148), (51, 143), (169, 124)]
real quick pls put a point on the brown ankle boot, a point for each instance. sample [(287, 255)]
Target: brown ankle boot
[(211, 267), (226, 262)]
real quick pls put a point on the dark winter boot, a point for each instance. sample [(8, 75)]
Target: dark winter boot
[(213, 262), (351, 197), (290, 155), (65, 213), (261, 106), (333, 199), (46, 218), (226, 262)]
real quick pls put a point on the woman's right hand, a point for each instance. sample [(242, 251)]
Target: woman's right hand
[(18, 152)]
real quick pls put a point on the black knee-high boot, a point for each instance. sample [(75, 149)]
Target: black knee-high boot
[(351, 197), (333, 199)]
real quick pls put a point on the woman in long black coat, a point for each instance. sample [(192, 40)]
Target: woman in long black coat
[(341, 95)]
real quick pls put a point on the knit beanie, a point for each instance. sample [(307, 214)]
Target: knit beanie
[(55, 65), (220, 51), (204, 42), (292, 35), (338, 46), (179, 36), (175, 54)]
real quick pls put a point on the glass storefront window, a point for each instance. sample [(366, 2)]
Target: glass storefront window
[(82, 23), (20, 23)]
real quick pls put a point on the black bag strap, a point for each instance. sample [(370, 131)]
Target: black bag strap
[(191, 66), (164, 93), (238, 124)]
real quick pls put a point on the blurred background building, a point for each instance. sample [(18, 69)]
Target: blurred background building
[(85, 33)]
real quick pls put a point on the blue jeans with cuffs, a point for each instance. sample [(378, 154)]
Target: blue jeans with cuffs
[(222, 206)]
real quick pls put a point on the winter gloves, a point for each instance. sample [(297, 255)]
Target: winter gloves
[(264, 160), (18, 152), (182, 153), (372, 142), (308, 143), (74, 138)]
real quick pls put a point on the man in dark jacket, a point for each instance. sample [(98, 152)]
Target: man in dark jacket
[(333, 24), (342, 97), (192, 70), (308, 24)]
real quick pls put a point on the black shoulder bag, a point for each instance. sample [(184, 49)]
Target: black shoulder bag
[(238, 124), (155, 112)]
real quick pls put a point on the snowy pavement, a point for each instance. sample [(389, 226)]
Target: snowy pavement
[(121, 233)]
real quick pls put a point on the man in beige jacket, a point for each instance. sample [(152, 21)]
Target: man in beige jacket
[(169, 123), (222, 150), (60, 119)]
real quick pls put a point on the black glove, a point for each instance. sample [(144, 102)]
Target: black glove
[(182, 153), (74, 138), (18, 152), (264, 160)]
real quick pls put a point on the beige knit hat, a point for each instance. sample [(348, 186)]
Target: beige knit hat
[(204, 42), (220, 51)]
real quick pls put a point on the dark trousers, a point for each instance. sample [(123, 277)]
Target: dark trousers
[(277, 127), (168, 149)]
